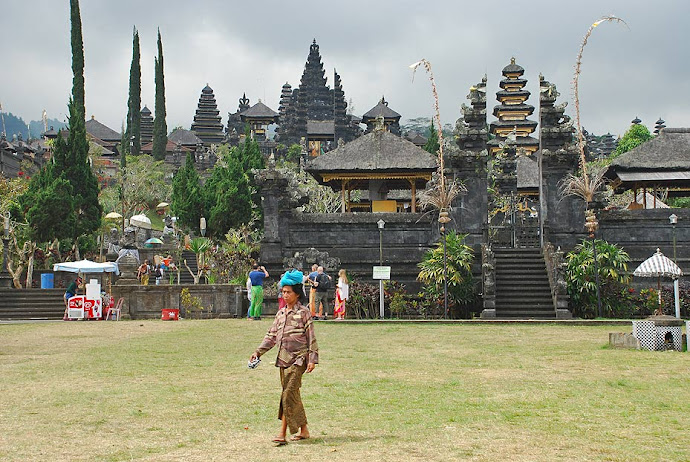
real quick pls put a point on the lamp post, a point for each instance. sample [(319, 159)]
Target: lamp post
[(5, 279), (673, 219), (381, 224), (592, 225), (443, 218), (202, 226)]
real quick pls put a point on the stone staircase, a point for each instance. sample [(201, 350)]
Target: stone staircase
[(185, 277), (522, 285), (31, 304)]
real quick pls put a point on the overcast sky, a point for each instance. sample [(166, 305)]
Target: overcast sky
[(256, 46)]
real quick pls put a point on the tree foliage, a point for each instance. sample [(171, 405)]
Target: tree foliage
[(160, 126), (145, 186), (134, 103), (635, 136), (432, 144), (187, 201), (227, 196), (70, 164), (459, 257), (612, 264)]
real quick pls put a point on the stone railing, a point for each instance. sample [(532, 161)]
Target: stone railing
[(555, 268)]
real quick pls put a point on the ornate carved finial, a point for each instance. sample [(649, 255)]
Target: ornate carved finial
[(383, 101), (512, 60)]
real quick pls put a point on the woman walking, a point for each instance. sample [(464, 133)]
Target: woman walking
[(342, 292), (293, 331)]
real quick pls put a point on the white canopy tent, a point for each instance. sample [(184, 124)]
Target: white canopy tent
[(87, 266)]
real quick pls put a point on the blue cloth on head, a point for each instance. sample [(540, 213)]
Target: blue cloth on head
[(291, 278)]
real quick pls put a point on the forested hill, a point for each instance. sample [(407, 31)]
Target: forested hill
[(15, 125)]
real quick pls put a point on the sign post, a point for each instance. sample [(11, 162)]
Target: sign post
[(381, 273)]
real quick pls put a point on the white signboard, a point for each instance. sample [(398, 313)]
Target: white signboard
[(382, 272)]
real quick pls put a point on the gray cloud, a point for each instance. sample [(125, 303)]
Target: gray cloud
[(255, 47)]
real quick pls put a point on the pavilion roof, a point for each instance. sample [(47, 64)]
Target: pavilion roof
[(670, 150), (171, 146), (381, 109), (319, 127), (378, 151), (259, 111), (662, 161), (184, 137), (100, 131)]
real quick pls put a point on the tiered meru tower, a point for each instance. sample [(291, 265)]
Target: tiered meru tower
[(146, 126), (314, 111), (207, 125), (513, 112)]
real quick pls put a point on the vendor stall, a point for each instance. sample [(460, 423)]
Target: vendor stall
[(90, 305)]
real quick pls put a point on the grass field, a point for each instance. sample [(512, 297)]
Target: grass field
[(152, 390)]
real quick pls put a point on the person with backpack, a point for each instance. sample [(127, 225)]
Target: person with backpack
[(158, 274), (323, 285)]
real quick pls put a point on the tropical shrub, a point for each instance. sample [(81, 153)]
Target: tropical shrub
[(459, 257), (612, 262)]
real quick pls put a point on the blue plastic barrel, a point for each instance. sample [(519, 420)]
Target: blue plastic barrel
[(47, 281)]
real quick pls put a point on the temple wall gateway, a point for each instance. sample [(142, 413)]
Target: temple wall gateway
[(353, 239)]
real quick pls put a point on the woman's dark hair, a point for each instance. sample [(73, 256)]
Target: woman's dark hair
[(299, 290)]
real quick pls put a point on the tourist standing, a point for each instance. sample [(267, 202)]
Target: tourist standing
[(144, 272), (158, 274), (293, 331), (257, 276), (311, 280), (342, 291), (323, 284)]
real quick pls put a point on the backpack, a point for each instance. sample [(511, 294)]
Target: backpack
[(158, 273), (325, 283)]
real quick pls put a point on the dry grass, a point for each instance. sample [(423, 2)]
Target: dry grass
[(181, 391)]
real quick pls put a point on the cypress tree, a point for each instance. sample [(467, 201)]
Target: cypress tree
[(432, 145), (134, 103), (187, 201), (77, 169), (77, 58), (63, 199), (160, 127)]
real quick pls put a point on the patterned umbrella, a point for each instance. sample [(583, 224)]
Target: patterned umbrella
[(658, 265)]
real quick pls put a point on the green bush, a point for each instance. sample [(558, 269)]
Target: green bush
[(461, 290), (613, 280)]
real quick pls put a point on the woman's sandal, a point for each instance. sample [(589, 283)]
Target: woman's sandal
[(279, 441), (299, 438)]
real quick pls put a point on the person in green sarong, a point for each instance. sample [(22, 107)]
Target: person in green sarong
[(257, 276)]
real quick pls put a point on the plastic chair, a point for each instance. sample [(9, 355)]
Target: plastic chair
[(116, 310)]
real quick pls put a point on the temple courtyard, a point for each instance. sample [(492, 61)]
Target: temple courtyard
[(153, 390)]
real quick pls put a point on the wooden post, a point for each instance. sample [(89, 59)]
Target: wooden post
[(414, 195), (342, 196)]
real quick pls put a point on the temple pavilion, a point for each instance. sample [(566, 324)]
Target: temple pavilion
[(377, 164), (391, 119), (660, 164), (259, 117)]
